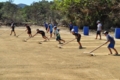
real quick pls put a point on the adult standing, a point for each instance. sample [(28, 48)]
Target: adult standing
[(99, 29)]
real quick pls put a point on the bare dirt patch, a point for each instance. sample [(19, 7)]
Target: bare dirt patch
[(32, 61)]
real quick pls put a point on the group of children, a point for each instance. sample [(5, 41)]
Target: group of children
[(53, 29), (110, 39)]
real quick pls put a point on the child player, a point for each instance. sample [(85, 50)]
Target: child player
[(58, 38), (42, 33), (111, 43), (13, 29), (50, 28), (78, 37), (28, 29)]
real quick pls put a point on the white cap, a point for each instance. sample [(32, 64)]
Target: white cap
[(105, 32), (98, 21), (72, 30)]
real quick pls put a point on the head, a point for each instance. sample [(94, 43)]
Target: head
[(37, 30), (55, 27), (105, 33), (72, 31), (98, 21)]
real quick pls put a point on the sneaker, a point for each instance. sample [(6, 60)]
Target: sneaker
[(116, 53)]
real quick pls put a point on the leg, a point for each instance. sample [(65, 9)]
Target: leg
[(78, 40), (11, 32), (14, 33), (100, 35), (50, 35), (116, 52), (59, 41), (80, 45), (96, 36), (63, 40), (110, 50), (46, 38)]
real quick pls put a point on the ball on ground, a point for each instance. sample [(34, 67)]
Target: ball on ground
[(59, 46), (91, 54)]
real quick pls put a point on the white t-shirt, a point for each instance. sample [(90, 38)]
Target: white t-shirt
[(99, 27), (56, 32)]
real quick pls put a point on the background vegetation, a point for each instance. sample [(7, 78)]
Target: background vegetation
[(61, 12)]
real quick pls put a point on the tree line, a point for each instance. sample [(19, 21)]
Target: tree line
[(61, 12)]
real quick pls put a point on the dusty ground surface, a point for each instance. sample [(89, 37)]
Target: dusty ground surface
[(32, 61)]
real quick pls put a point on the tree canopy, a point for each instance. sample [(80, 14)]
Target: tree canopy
[(79, 12)]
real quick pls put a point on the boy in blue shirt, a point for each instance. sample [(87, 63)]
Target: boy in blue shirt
[(46, 26), (50, 28), (111, 44)]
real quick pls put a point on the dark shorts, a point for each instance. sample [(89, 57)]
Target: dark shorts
[(78, 38), (51, 32), (29, 32), (43, 34), (111, 45), (58, 38), (98, 32), (46, 28), (13, 29), (70, 29)]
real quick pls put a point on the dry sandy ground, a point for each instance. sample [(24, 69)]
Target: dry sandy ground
[(32, 61)]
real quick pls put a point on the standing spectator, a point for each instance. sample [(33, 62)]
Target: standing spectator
[(99, 29)]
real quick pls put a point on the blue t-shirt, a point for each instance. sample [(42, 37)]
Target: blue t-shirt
[(71, 26), (110, 38), (50, 27), (46, 25)]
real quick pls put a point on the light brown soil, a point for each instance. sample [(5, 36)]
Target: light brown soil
[(32, 61)]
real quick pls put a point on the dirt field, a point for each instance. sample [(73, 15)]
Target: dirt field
[(32, 61)]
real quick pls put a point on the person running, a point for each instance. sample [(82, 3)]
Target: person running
[(57, 34), (13, 28), (50, 28), (70, 26), (42, 33), (28, 29), (99, 29), (78, 37), (111, 43)]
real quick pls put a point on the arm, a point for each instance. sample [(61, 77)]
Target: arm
[(34, 34), (107, 42)]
